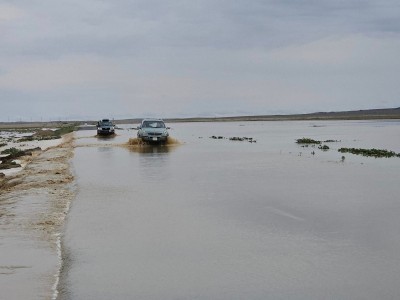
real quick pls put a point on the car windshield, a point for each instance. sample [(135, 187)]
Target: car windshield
[(105, 124), (153, 124)]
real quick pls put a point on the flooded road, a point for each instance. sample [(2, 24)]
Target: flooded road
[(221, 219)]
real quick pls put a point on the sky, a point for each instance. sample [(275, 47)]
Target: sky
[(91, 59)]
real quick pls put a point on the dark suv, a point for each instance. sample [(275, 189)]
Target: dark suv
[(105, 127)]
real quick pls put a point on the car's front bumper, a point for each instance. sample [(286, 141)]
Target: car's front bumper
[(154, 139), (105, 131)]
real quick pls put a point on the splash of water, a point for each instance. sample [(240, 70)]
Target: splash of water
[(138, 142)]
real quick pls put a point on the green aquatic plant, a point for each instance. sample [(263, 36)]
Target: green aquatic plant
[(331, 141), (370, 152), (323, 147), (307, 141)]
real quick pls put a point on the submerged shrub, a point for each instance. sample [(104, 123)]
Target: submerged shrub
[(370, 152), (324, 147), (307, 141), (331, 141), (13, 152)]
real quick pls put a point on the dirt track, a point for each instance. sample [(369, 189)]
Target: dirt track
[(34, 204), (46, 173)]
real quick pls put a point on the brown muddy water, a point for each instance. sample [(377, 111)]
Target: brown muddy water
[(221, 219)]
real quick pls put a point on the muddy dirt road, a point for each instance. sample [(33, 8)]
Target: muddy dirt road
[(33, 207)]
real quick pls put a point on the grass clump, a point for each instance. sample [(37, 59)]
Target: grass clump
[(44, 135), (370, 152), (331, 141), (9, 165), (324, 147), (13, 152), (307, 141), (64, 130)]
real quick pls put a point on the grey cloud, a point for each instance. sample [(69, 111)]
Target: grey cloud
[(124, 27), (191, 57)]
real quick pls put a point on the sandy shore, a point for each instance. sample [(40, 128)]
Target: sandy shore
[(33, 206)]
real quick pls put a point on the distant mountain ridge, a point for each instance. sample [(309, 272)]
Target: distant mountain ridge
[(368, 114)]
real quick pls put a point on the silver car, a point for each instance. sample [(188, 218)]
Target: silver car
[(153, 131)]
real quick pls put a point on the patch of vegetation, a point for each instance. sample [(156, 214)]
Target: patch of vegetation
[(331, 141), (3, 144), (241, 139), (370, 152), (20, 130), (64, 130), (39, 138), (13, 153), (9, 165), (323, 147), (235, 138), (307, 141), (44, 135)]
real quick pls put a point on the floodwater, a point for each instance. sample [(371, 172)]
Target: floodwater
[(221, 219)]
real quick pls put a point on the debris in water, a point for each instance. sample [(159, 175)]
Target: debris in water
[(307, 141), (235, 138), (370, 152), (323, 147)]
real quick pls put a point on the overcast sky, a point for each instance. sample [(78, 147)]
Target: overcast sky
[(88, 59)]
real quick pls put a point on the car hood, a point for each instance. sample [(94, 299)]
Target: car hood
[(155, 130)]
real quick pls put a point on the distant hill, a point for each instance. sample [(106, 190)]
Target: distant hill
[(369, 114)]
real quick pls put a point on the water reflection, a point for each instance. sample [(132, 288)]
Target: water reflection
[(151, 149), (105, 137), (104, 149), (153, 162)]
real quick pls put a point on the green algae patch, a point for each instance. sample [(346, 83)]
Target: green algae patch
[(324, 147), (307, 141), (370, 152)]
